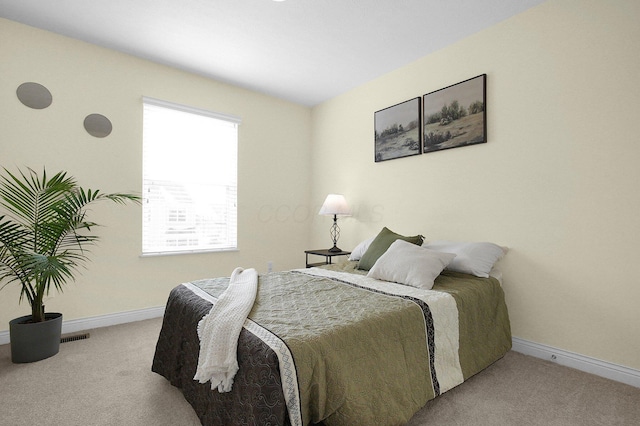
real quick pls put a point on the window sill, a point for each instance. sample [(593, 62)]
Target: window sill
[(181, 252)]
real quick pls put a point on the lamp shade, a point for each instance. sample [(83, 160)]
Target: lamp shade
[(335, 204)]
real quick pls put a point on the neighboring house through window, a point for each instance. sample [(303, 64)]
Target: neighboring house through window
[(190, 159)]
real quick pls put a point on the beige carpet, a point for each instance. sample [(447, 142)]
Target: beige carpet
[(107, 380)]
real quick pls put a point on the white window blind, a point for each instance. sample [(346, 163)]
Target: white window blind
[(190, 159)]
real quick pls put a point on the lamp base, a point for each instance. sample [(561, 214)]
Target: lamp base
[(335, 234)]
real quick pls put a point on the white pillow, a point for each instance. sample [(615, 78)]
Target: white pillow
[(360, 249), (471, 258), (409, 264)]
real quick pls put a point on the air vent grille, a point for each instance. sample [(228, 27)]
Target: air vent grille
[(73, 338)]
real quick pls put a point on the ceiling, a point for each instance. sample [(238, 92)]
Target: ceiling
[(305, 51)]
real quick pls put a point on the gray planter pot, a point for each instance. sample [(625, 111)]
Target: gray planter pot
[(32, 342)]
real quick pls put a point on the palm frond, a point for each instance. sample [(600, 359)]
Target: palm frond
[(29, 198)]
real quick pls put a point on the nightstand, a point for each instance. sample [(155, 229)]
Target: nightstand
[(328, 255)]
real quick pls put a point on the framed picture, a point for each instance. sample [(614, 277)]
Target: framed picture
[(455, 116), (397, 130)]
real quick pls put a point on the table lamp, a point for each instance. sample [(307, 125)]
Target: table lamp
[(335, 205)]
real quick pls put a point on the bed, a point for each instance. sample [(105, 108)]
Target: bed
[(335, 346)]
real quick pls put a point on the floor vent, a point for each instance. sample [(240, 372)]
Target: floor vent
[(73, 338)]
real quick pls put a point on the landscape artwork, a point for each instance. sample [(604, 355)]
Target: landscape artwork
[(397, 131), (455, 116)]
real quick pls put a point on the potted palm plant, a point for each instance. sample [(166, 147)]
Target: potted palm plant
[(44, 236)]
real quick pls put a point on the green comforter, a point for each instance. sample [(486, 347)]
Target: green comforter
[(369, 352)]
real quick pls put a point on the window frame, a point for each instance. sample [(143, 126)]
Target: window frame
[(232, 119)]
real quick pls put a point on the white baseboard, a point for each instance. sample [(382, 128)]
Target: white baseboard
[(584, 363), (82, 324)]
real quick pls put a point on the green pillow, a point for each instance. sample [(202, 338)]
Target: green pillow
[(380, 244)]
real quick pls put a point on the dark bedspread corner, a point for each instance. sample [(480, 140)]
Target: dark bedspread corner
[(258, 393)]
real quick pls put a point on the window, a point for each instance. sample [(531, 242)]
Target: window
[(189, 187)]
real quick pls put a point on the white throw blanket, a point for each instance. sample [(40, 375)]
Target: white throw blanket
[(220, 328)]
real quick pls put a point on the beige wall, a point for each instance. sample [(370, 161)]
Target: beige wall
[(273, 165), (557, 181)]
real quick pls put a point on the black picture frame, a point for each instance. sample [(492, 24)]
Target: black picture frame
[(398, 131), (455, 116)]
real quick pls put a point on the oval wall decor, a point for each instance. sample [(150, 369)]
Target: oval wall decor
[(97, 125), (34, 95)]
